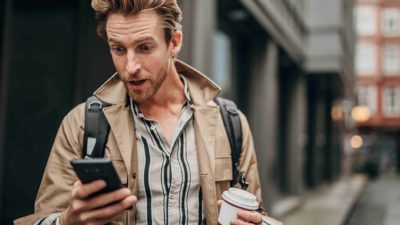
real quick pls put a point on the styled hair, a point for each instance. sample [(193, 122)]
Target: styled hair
[(168, 10)]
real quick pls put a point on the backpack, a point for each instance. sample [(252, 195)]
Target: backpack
[(97, 129)]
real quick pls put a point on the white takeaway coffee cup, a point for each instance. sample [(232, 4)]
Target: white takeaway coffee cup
[(235, 199)]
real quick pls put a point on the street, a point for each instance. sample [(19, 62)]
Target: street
[(379, 203)]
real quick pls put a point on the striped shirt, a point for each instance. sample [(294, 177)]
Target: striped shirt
[(168, 174)]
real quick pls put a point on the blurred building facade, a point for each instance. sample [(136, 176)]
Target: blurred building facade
[(286, 63), (378, 80)]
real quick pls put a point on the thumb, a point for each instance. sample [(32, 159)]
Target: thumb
[(77, 183), (219, 203)]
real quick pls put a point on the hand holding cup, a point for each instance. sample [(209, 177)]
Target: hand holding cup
[(238, 204)]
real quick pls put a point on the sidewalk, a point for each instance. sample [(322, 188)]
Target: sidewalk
[(379, 204), (329, 205)]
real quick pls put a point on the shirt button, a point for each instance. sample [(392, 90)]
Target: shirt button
[(134, 175)]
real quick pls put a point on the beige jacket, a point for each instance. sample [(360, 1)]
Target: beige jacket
[(211, 140)]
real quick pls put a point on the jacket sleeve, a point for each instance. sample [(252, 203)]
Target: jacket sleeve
[(58, 178), (248, 162)]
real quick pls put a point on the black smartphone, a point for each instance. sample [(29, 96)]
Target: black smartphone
[(89, 170)]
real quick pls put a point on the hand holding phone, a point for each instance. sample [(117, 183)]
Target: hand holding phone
[(89, 170), (87, 204)]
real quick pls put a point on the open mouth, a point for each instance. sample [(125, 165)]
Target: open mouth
[(137, 82)]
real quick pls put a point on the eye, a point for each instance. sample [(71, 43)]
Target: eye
[(146, 48), (118, 50)]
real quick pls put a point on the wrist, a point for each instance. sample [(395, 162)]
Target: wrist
[(62, 219), (266, 220)]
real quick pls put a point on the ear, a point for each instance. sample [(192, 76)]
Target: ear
[(176, 43)]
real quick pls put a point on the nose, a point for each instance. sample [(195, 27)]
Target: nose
[(133, 64)]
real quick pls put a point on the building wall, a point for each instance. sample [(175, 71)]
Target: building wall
[(301, 38), (373, 44), (330, 22), (278, 18), (378, 86), (39, 79), (198, 33), (297, 135), (48, 67), (263, 114), (258, 93), (4, 38)]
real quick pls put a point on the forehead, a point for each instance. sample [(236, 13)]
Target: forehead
[(135, 26)]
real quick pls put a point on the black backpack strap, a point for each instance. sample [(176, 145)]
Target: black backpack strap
[(96, 128), (231, 119)]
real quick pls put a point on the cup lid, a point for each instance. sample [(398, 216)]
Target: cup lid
[(241, 198)]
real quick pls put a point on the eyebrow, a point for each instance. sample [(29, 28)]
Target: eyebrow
[(113, 40), (137, 41)]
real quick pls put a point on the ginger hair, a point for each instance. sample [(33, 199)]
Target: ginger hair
[(168, 10)]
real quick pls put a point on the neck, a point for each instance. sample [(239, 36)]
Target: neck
[(169, 96)]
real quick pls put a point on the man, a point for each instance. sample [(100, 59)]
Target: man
[(167, 139)]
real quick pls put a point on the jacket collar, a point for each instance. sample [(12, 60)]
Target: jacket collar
[(202, 89)]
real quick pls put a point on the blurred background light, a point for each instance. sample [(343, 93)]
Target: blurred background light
[(360, 114), (356, 142), (336, 113)]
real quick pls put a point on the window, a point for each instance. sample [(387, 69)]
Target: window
[(390, 22), (222, 66), (365, 20), (367, 96), (365, 59), (391, 101), (391, 60)]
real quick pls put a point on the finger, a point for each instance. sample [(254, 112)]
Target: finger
[(219, 203), (239, 222), (109, 211), (77, 183), (83, 191), (252, 217), (107, 198)]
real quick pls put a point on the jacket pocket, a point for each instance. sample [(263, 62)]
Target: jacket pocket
[(223, 168), (120, 220)]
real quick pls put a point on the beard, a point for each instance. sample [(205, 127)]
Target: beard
[(144, 94)]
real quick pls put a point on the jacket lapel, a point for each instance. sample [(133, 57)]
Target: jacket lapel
[(205, 128), (121, 125), (202, 92)]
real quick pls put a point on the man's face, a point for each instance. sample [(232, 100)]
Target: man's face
[(140, 54)]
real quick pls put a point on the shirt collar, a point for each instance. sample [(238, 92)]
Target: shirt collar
[(186, 92)]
